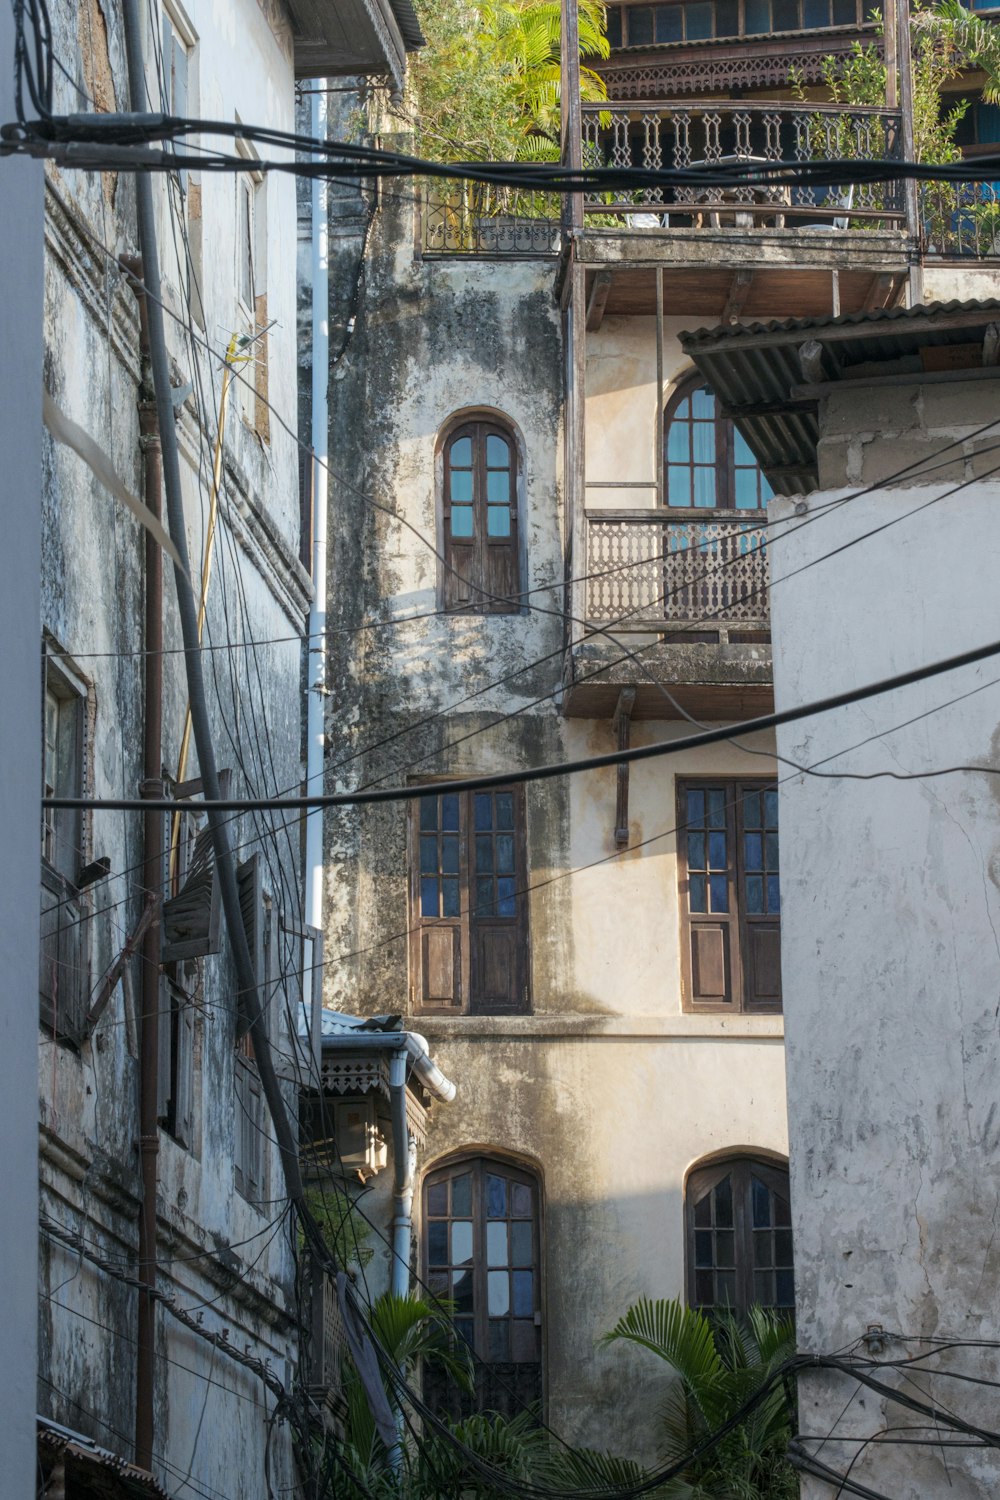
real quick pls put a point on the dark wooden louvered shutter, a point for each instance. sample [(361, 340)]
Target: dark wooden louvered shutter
[(190, 923), (498, 926), (439, 951), (248, 877), (64, 959)]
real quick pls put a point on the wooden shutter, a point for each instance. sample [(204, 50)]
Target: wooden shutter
[(248, 877), (498, 529), (439, 952), (64, 953), (498, 920), (759, 898), (164, 1050), (184, 1074), (480, 519), (710, 951), (190, 923)]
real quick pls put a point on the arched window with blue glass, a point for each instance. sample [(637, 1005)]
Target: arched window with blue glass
[(480, 487), (707, 464)]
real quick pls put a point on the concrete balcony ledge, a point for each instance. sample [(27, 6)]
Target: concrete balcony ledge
[(711, 681)]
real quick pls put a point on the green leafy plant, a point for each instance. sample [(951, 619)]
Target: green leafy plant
[(344, 1230), (719, 1364)]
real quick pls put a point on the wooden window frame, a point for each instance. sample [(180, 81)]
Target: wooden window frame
[(736, 921), (740, 35), (479, 1166), (469, 584), (65, 951), (725, 456), (701, 1180), (468, 929)]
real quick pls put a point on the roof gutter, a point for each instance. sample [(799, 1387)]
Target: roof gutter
[(410, 1042)]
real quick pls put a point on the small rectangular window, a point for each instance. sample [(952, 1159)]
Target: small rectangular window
[(670, 23), (614, 26), (640, 26), (730, 898), (468, 902), (64, 959)]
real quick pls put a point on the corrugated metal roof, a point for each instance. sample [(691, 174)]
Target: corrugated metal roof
[(409, 25), (123, 1480), (754, 369)]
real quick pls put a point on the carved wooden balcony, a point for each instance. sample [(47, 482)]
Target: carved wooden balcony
[(676, 607)]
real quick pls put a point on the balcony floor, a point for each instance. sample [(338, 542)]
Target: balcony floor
[(710, 682)]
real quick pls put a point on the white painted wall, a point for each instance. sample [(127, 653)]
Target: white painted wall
[(890, 954)]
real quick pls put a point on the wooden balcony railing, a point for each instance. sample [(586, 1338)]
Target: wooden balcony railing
[(662, 571), (728, 134), (959, 220)]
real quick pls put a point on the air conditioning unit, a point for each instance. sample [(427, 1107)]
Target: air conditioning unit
[(361, 1147)]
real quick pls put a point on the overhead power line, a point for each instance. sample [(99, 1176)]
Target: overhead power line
[(571, 767)]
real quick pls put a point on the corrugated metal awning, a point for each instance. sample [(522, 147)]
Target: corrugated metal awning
[(762, 372), (101, 1472)]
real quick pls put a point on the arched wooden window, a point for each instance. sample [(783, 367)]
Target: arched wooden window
[(482, 1252), (480, 533), (707, 465), (739, 1236)]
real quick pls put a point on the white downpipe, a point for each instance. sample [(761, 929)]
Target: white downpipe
[(404, 1166), (319, 438)]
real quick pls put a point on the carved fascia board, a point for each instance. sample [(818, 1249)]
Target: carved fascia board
[(709, 69)]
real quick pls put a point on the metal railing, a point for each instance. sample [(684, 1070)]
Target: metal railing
[(959, 219), (478, 220), (730, 133), (660, 571)]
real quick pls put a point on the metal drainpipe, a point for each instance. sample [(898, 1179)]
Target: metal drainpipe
[(153, 846), (404, 1162), (316, 645)]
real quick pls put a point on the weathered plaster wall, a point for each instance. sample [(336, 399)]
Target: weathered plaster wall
[(92, 596), (889, 948), (606, 1088)]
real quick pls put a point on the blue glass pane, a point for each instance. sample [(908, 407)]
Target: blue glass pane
[(461, 520), (520, 1236), (741, 449), (484, 853), (668, 22), (640, 26), (428, 813), (429, 854), (497, 1253), (429, 898), (678, 486), (449, 854), (506, 898), (703, 434), (987, 123), (753, 851), (751, 810), (461, 1194), (703, 1247), (524, 1304), (784, 1289), (484, 811), (505, 809), (461, 1291), (505, 853), (695, 807), (757, 17), (766, 492), (716, 808), (816, 13), (719, 886), (771, 850), (717, 851), (782, 1247), (755, 895), (497, 452), (698, 18), (696, 893), (746, 489), (437, 1244), (520, 1200), (449, 898), (461, 452), (761, 1204), (679, 442), (773, 895), (461, 1242), (696, 851), (703, 404), (771, 809), (704, 487), (498, 520), (461, 486), (484, 896), (498, 1293), (496, 1196), (437, 1198), (683, 410), (723, 1195), (449, 812), (498, 487), (464, 1328)]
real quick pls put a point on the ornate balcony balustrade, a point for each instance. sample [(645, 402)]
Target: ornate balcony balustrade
[(677, 571), (730, 133), (478, 220), (959, 220)]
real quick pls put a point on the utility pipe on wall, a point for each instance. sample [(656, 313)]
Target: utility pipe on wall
[(404, 1161), (316, 645)]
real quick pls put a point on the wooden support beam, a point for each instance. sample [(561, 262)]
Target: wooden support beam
[(112, 974), (621, 724), (598, 300), (879, 292), (739, 291)]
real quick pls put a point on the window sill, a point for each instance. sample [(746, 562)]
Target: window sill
[(613, 1027)]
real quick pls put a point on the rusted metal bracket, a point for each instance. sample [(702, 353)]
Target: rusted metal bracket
[(112, 974), (621, 724)]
